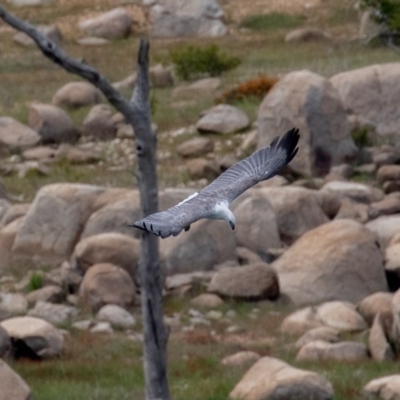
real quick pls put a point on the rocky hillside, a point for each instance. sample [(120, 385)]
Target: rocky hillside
[(314, 261)]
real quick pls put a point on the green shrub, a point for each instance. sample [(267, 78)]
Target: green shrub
[(272, 21), (386, 12), (192, 60), (361, 137), (35, 282)]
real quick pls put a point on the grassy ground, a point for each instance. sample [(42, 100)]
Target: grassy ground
[(102, 367), (97, 367)]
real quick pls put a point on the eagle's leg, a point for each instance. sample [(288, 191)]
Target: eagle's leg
[(187, 228)]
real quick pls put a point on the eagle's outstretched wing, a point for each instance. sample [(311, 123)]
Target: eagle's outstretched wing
[(261, 165)]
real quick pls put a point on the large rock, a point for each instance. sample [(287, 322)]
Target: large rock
[(195, 147), (98, 124), (52, 226), (301, 321), (379, 346), (112, 247), (13, 387), (376, 303), (297, 210), (76, 94), (343, 351), (114, 24), (325, 129), (176, 18), (52, 123), (40, 336), (270, 378), (114, 213), (14, 135), (116, 316), (342, 316), (385, 227), (385, 388), (256, 225), (325, 333), (307, 35), (107, 284), (223, 118), (57, 314), (372, 94), (48, 294), (338, 260), (207, 244), (256, 281), (359, 192), (241, 358)]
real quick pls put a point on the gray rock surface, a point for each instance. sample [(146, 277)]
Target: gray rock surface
[(335, 261), (325, 138)]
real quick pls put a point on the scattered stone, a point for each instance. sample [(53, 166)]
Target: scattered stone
[(38, 335), (102, 327), (195, 147), (99, 124), (252, 282), (13, 304), (223, 118), (92, 41), (385, 227), (355, 191), (207, 244), (241, 359), (375, 303), (337, 260), (76, 95), (50, 229), (297, 210), (161, 76), (199, 168), (114, 248), (117, 316), (343, 351), (324, 333), (126, 83), (379, 346), (183, 18), (247, 256), (356, 211), (13, 387), (207, 300), (301, 321), (43, 154), (114, 24), (270, 378), (16, 136), (48, 294), (341, 315), (388, 173), (52, 123), (30, 3), (107, 284), (83, 325), (57, 314), (214, 315), (385, 388), (371, 93), (256, 225), (307, 35)]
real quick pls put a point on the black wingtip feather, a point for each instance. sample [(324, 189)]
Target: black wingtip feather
[(289, 142)]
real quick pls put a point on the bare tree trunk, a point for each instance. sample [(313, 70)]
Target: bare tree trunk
[(137, 113)]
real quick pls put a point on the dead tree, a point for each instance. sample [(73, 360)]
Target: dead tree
[(137, 113)]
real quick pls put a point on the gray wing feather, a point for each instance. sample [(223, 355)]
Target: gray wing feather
[(177, 218), (261, 165)]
